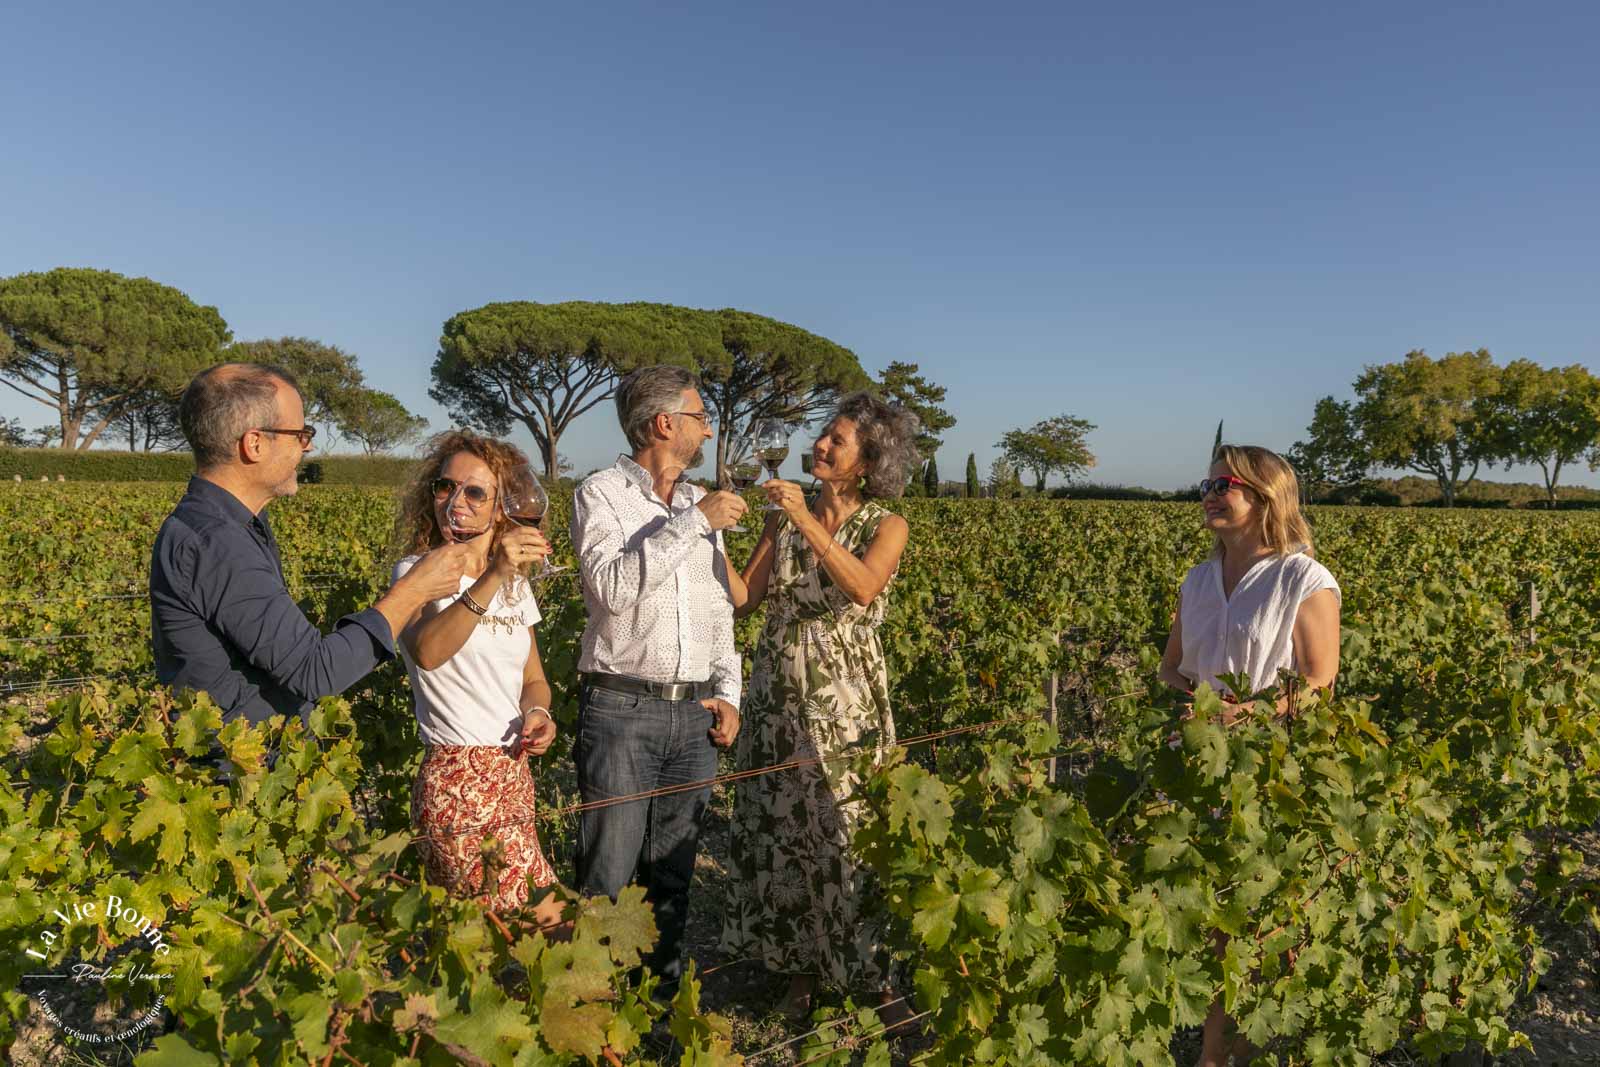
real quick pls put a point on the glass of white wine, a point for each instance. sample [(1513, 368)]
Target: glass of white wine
[(771, 447)]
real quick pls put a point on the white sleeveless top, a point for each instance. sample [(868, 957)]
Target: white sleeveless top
[(1251, 633), (472, 698)]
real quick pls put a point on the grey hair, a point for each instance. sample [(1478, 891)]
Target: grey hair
[(225, 402), (888, 436), (648, 392)]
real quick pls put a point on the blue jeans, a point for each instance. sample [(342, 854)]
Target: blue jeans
[(630, 744)]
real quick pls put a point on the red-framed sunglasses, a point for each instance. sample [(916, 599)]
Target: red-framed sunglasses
[(1220, 486)]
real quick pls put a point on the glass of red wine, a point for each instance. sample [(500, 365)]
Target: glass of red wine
[(741, 475), (525, 502)]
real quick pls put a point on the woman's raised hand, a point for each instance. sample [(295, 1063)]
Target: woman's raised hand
[(519, 548), (786, 495)]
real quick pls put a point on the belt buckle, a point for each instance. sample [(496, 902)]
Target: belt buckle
[(672, 690)]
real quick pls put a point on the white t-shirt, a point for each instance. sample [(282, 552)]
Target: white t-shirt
[(1251, 633), (472, 698)]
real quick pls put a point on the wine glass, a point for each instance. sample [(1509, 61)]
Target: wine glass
[(742, 474), (808, 462), (772, 448), (467, 490), (524, 502)]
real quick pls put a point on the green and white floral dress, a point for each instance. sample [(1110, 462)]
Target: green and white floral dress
[(819, 689)]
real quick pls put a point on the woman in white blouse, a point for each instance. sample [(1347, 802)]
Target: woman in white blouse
[(1258, 611), (477, 682), (1260, 605)]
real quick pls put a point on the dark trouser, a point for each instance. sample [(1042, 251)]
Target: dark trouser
[(630, 744)]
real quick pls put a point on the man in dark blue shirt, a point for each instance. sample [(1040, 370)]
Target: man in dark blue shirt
[(222, 619)]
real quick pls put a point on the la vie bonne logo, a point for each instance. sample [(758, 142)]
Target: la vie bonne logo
[(107, 1001)]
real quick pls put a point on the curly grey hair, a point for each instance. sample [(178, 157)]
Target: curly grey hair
[(888, 436)]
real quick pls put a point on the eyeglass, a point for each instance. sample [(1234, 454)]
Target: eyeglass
[(703, 416), (305, 433), (476, 495), (1220, 486)]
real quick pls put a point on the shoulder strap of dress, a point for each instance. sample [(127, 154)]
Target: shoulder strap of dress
[(869, 516)]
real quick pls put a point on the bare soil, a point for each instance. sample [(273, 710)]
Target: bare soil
[(1562, 1013)]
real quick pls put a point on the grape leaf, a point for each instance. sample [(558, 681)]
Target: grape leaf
[(171, 1050), (133, 757), (493, 1026), (575, 971), (580, 1030), (934, 918), (627, 927), (321, 798), (162, 812), (192, 732), (921, 802)]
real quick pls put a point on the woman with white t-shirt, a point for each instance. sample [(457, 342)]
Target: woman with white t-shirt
[(478, 685), (1259, 607)]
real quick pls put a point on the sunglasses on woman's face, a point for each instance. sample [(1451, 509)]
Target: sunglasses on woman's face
[(474, 494), (1219, 486)]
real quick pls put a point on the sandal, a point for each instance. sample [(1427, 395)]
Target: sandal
[(796, 1003)]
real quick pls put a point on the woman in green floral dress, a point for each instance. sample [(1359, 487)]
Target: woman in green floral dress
[(819, 689)]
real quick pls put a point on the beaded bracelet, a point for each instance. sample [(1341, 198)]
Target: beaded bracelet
[(472, 605)]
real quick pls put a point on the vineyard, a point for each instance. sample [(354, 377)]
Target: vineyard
[(1054, 845)]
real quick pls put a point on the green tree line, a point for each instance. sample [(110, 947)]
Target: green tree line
[(1450, 418), (110, 355)]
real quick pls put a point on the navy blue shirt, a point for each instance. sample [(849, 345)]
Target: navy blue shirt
[(223, 622)]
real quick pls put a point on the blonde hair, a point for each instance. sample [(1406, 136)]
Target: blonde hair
[(416, 528), (1282, 525)]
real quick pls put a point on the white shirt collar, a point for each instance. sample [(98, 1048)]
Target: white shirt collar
[(644, 480)]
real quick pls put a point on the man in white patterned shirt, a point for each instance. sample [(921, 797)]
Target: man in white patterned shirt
[(660, 671)]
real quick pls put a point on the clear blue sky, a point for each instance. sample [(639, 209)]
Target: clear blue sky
[(1152, 217)]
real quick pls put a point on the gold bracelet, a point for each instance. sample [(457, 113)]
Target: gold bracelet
[(822, 559), (470, 604)]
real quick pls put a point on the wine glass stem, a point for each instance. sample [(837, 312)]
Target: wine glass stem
[(772, 472)]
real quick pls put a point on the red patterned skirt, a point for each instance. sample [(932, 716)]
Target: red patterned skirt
[(481, 790)]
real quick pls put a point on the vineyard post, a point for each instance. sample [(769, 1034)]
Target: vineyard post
[(1533, 609), (1052, 692)]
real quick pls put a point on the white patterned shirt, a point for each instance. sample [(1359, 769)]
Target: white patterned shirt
[(655, 583)]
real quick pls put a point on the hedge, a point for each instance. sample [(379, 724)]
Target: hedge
[(104, 465)]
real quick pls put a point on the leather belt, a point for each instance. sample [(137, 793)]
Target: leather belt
[(621, 683)]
